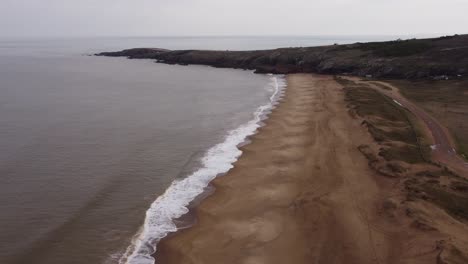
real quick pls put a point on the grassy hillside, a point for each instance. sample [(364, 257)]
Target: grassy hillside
[(402, 59)]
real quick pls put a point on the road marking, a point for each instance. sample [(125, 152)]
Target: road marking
[(436, 130), (398, 103)]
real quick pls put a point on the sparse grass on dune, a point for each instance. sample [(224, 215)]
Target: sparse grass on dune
[(386, 122), (455, 203), (401, 139)]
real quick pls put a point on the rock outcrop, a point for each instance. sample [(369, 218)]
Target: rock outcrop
[(409, 59)]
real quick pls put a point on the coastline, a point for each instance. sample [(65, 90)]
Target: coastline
[(175, 209), (343, 178), (434, 58), (301, 192)]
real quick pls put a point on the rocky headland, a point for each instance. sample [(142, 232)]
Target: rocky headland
[(437, 58)]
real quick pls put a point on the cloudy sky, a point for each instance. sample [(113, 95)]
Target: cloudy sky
[(231, 17)]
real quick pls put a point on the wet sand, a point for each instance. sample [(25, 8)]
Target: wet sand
[(301, 193)]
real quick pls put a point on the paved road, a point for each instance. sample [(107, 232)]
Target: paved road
[(443, 149)]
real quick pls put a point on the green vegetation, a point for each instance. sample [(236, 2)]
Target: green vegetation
[(423, 140), (367, 101), (400, 59), (462, 146), (403, 134), (452, 196), (454, 204), (446, 101), (398, 48), (386, 122), (408, 153), (401, 138)]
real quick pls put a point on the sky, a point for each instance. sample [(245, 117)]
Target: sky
[(57, 18)]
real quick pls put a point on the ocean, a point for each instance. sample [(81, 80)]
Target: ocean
[(99, 155)]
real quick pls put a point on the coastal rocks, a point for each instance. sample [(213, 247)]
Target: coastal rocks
[(138, 53), (409, 59)]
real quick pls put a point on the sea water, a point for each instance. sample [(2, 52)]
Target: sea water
[(99, 155)]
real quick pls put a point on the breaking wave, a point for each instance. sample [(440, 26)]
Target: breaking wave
[(159, 221)]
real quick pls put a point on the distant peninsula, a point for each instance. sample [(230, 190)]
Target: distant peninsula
[(437, 58)]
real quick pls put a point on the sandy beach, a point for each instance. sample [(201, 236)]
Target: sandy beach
[(234, 132), (302, 193)]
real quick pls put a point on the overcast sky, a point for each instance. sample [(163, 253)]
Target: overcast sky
[(231, 17)]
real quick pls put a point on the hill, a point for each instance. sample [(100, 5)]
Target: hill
[(437, 58)]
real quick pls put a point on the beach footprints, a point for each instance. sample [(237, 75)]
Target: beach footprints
[(258, 230)]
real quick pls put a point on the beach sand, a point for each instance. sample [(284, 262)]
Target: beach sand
[(302, 193)]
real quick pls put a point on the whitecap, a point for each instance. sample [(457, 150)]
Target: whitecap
[(173, 204)]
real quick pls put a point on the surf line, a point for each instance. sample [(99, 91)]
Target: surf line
[(173, 203)]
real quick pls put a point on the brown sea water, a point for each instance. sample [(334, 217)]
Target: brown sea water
[(88, 144)]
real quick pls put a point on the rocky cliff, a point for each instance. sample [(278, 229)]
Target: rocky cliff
[(444, 57)]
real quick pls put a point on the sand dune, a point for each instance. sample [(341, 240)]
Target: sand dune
[(303, 193)]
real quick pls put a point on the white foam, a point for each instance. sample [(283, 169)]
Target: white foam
[(173, 203)]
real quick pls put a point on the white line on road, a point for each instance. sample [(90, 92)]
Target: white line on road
[(398, 103)]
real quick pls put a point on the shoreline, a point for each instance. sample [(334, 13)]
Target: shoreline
[(306, 191), (294, 203), (432, 58), (314, 182), (143, 244)]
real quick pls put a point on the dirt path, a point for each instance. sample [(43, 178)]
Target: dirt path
[(300, 193), (443, 150)]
